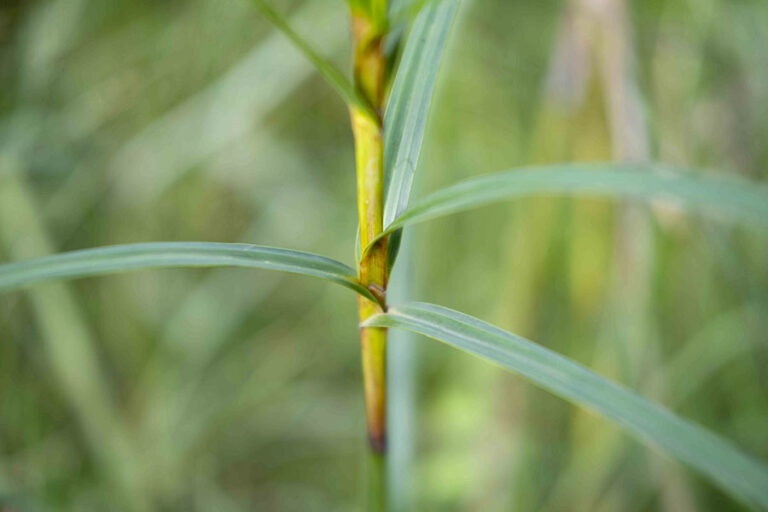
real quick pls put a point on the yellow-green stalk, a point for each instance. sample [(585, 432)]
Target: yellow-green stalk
[(368, 29)]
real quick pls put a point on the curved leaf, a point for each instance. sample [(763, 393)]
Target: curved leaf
[(326, 68), (738, 474), (408, 105), (726, 195), (406, 114), (121, 258)]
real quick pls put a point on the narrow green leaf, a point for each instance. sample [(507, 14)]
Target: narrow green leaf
[(727, 195), (409, 101), (406, 114), (330, 72), (723, 463), (121, 258)]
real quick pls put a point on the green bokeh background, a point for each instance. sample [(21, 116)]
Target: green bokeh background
[(231, 390)]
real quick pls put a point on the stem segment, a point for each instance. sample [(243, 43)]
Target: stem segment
[(368, 29)]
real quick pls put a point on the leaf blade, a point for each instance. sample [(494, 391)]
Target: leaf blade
[(409, 102), (330, 72), (739, 198), (122, 258), (738, 474)]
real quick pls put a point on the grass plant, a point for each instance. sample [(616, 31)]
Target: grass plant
[(396, 52)]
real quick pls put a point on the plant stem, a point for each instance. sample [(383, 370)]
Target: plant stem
[(368, 29), (373, 274), (377, 492)]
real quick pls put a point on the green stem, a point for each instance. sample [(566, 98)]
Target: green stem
[(372, 269), (368, 29), (376, 499)]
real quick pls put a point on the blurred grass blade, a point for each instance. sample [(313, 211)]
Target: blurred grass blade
[(735, 197), (330, 72), (73, 364), (738, 474), (397, 8), (402, 364), (121, 258), (409, 102)]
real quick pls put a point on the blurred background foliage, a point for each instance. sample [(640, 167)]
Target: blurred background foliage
[(232, 390)]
